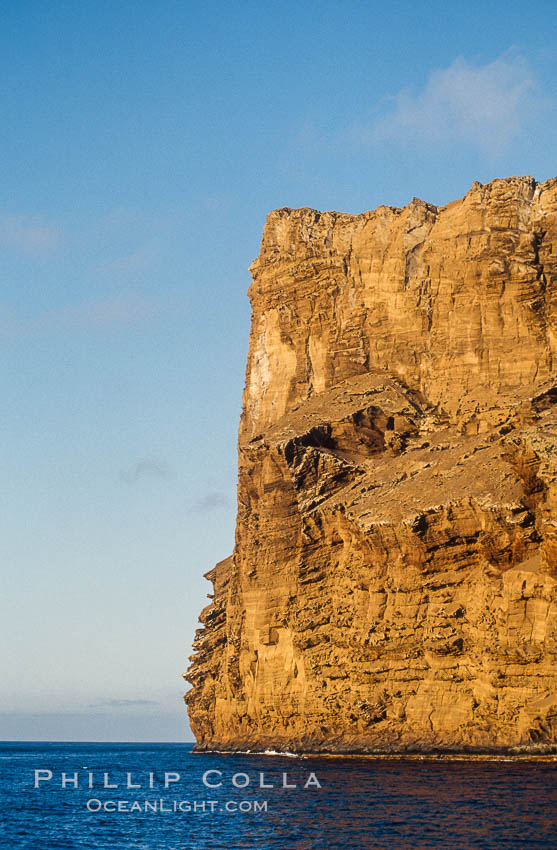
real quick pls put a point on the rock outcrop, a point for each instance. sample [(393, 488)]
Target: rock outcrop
[(393, 585)]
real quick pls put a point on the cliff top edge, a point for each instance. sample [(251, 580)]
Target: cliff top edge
[(526, 180)]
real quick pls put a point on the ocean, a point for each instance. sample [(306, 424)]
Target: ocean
[(164, 797)]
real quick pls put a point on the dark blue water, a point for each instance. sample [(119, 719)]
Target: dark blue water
[(362, 803)]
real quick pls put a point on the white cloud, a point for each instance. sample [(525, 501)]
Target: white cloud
[(130, 267), (124, 703), (128, 308), (125, 309), (29, 234), (486, 106)]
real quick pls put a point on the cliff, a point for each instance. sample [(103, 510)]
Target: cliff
[(393, 585)]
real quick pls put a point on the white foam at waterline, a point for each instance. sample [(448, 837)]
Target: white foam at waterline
[(249, 753)]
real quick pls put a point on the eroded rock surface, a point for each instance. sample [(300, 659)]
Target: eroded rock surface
[(393, 584)]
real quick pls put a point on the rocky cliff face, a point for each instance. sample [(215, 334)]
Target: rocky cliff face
[(394, 579)]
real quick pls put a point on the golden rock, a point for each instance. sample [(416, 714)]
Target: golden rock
[(393, 585)]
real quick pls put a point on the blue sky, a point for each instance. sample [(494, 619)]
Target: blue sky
[(142, 145)]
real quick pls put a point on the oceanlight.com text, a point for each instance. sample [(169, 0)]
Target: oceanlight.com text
[(177, 806)]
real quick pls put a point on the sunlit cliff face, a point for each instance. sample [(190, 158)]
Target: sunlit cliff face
[(393, 583)]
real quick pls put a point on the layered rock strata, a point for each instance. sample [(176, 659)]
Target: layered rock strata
[(393, 585)]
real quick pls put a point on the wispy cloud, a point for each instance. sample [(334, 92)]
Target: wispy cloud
[(146, 467), (125, 244), (124, 703), (128, 268), (210, 502), (114, 268), (29, 234), (122, 309), (213, 204), (486, 106), (126, 308)]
